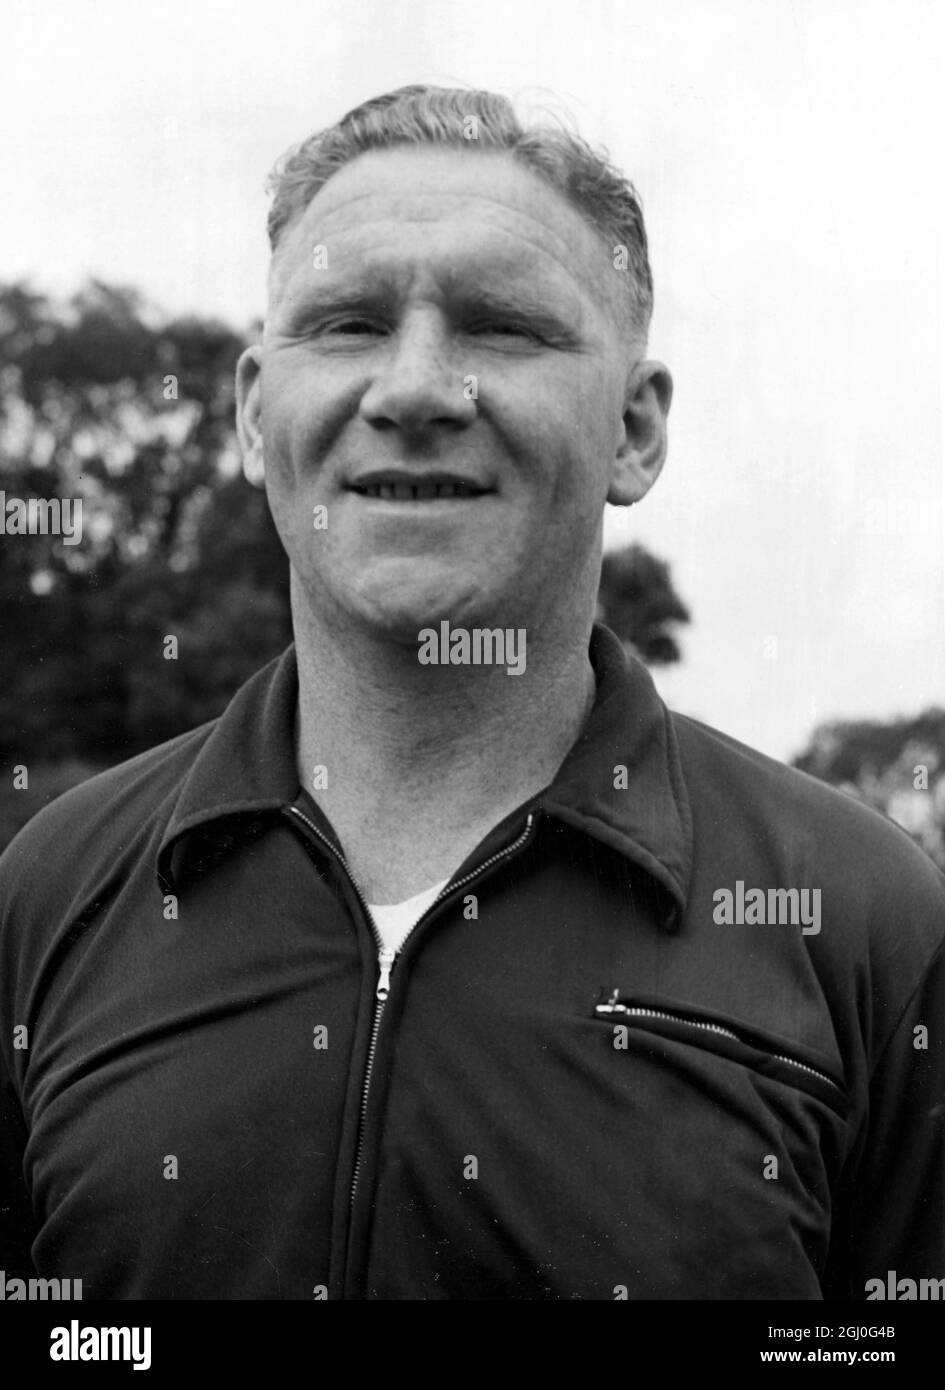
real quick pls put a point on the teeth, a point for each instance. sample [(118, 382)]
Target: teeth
[(418, 492)]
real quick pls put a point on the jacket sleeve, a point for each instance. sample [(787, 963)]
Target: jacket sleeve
[(17, 1225), (889, 1217), (16, 1213)]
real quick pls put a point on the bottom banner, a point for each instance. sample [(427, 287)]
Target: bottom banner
[(163, 1340)]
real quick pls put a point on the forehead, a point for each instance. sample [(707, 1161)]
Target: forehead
[(451, 214)]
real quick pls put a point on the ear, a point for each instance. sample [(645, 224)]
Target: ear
[(642, 447), (249, 414)]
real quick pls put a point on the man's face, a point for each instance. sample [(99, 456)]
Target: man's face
[(444, 370)]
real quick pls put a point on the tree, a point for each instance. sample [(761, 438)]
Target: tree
[(103, 400), (638, 602), (896, 767)]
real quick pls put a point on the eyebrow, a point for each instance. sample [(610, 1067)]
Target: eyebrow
[(516, 299), (511, 298)]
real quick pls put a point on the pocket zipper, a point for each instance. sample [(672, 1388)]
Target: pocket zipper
[(612, 1006)]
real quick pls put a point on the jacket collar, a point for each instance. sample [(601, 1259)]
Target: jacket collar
[(621, 783)]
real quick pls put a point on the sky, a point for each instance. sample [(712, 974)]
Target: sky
[(789, 157)]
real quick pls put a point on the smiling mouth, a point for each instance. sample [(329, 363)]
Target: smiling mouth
[(419, 492)]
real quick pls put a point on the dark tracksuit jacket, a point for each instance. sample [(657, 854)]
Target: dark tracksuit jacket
[(586, 1082)]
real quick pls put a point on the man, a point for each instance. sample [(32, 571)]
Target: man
[(447, 963)]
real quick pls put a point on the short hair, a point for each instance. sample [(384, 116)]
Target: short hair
[(420, 114)]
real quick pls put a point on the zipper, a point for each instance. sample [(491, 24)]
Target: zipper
[(613, 1006), (386, 957), (386, 960)]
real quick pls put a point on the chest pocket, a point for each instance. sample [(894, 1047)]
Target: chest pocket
[(762, 1053)]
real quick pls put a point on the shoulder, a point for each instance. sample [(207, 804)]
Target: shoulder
[(756, 810), (721, 771), (92, 828)]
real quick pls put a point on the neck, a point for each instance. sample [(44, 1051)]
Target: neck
[(421, 761)]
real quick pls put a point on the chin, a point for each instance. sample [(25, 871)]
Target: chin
[(399, 619), (401, 603)]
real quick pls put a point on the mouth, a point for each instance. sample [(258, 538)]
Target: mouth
[(391, 488)]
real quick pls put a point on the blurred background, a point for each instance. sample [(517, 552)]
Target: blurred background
[(785, 577)]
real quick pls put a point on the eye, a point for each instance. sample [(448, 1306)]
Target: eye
[(503, 328), (353, 327)]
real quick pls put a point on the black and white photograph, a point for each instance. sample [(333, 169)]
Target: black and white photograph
[(472, 784)]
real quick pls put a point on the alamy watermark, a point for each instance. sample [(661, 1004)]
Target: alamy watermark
[(75, 1343), (42, 516), (38, 1290), (896, 1290), (481, 646), (796, 907)]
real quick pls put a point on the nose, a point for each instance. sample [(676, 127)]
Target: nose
[(417, 383)]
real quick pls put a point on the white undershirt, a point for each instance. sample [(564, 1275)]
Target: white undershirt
[(395, 921)]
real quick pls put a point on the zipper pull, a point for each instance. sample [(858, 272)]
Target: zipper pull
[(608, 1001), (385, 961)]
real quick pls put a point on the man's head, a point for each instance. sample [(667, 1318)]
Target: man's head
[(452, 365)]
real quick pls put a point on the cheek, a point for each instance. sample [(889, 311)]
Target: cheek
[(296, 415), (561, 415), (583, 411), (580, 458)]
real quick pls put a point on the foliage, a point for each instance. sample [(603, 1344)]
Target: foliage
[(637, 600), (136, 418), (897, 768)]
